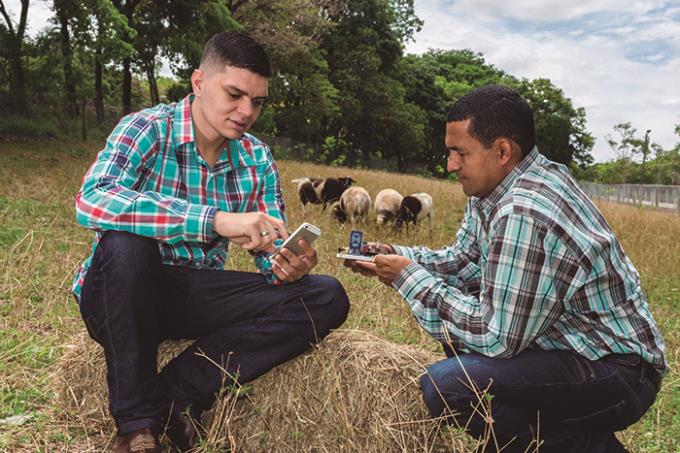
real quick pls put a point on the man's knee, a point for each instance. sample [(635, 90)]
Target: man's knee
[(333, 299), (127, 252), (444, 389)]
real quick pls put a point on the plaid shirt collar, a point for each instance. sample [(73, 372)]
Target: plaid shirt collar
[(182, 126), (238, 152), (486, 204)]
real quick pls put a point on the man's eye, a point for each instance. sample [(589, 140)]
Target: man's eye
[(233, 95), (258, 103)]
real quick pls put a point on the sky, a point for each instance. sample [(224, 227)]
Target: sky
[(619, 59)]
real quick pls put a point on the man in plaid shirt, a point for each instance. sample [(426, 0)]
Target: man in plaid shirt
[(174, 185), (535, 303)]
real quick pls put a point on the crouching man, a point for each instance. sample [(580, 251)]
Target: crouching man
[(173, 186), (535, 302)]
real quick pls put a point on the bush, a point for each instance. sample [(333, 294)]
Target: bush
[(28, 127)]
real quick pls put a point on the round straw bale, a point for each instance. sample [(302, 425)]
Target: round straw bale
[(354, 392)]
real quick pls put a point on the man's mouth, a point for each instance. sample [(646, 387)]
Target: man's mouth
[(239, 124)]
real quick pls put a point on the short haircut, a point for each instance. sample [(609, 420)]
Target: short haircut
[(238, 50), (496, 111)]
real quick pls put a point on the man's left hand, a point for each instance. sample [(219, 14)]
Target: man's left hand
[(289, 267), (385, 267)]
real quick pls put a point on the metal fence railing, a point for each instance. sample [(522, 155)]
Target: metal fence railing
[(659, 196)]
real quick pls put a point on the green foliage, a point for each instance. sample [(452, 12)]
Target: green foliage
[(28, 127)]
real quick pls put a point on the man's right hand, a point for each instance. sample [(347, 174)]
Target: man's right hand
[(367, 269), (255, 231)]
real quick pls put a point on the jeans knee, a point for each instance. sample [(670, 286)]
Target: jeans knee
[(432, 396), (332, 301), (126, 252)]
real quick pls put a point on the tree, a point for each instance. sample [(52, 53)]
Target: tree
[(560, 129), (12, 39), (363, 50), (623, 148)]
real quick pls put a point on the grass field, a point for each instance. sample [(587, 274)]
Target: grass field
[(41, 247)]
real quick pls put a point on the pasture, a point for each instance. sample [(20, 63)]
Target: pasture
[(41, 247)]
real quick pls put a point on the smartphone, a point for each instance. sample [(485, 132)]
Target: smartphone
[(349, 256), (305, 231)]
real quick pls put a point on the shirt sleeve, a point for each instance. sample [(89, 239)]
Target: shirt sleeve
[(270, 201), (109, 198), (529, 273), (457, 265)]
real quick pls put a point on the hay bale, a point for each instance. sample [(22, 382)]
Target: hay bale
[(355, 392)]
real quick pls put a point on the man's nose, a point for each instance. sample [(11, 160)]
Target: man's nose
[(245, 107), (453, 164)]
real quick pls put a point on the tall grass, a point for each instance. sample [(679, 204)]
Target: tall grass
[(41, 248)]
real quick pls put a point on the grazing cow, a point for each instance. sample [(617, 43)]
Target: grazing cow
[(387, 204), (320, 191), (413, 209), (354, 205)]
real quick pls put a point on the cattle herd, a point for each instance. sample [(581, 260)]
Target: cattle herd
[(353, 203)]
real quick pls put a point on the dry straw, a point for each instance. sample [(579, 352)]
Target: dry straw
[(355, 392)]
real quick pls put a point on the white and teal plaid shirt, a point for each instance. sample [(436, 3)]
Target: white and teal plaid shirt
[(535, 264), (151, 180)]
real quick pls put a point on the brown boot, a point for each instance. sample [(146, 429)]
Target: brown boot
[(140, 441), (182, 431)]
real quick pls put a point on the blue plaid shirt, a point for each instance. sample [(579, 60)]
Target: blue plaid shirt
[(151, 180), (535, 264)]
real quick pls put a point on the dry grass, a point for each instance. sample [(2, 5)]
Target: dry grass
[(355, 393)]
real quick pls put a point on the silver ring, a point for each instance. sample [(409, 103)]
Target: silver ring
[(264, 234)]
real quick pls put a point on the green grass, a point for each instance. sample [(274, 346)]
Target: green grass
[(41, 248)]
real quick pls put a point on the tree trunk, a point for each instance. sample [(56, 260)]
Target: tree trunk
[(17, 84), (83, 117), (153, 86), (98, 91), (69, 80), (127, 86)]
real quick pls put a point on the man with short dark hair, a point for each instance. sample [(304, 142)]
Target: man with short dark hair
[(535, 303), (174, 185)]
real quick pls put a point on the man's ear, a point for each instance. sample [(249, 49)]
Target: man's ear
[(507, 153), (197, 78)]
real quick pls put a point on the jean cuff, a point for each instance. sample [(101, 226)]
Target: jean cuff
[(127, 427)]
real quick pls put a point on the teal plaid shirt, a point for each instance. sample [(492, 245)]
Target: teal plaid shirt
[(150, 180), (535, 264)]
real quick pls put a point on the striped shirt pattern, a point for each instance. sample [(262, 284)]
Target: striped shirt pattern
[(150, 180), (535, 264)]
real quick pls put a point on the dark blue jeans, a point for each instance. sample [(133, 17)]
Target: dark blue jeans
[(569, 403), (131, 302)]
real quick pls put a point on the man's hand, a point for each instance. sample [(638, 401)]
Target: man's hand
[(385, 266), (289, 267), (255, 231)]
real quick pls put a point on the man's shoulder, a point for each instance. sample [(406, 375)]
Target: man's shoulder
[(544, 189), (145, 120), (256, 148)]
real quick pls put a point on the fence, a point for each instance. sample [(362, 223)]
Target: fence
[(666, 197)]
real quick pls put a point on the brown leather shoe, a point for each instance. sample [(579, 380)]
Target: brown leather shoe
[(182, 431), (141, 441)]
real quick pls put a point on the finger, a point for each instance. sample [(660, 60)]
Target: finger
[(293, 260), (279, 271), (268, 238), (278, 225)]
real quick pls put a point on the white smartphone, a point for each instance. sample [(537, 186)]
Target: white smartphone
[(305, 231), (349, 256)]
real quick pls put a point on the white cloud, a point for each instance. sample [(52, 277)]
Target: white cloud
[(550, 10), (593, 69)]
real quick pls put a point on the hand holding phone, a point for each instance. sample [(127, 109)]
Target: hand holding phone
[(306, 231)]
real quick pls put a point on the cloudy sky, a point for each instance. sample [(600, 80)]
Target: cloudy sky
[(619, 59)]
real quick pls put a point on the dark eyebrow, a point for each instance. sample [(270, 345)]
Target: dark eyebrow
[(241, 92)]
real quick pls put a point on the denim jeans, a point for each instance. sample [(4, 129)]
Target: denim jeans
[(131, 302), (567, 402)]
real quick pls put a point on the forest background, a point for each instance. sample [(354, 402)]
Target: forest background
[(343, 92)]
